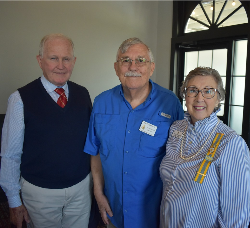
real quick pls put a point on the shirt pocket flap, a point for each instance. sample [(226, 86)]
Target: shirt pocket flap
[(153, 146)]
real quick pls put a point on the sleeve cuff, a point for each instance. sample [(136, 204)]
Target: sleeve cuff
[(14, 201)]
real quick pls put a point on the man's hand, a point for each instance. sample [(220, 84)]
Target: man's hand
[(104, 207), (17, 214), (98, 179)]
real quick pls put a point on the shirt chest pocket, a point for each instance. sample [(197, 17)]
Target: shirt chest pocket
[(105, 130), (153, 146)]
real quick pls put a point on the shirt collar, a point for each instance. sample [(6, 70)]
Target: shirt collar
[(51, 87), (202, 125), (150, 96)]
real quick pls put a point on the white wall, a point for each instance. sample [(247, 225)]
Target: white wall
[(97, 29), (164, 35)]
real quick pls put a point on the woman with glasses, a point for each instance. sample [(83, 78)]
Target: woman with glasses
[(206, 169)]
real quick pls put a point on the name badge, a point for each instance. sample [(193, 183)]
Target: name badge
[(148, 128)]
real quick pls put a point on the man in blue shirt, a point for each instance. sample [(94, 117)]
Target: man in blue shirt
[(127, 135)]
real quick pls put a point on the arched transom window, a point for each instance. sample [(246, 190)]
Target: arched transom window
[(215, 14)]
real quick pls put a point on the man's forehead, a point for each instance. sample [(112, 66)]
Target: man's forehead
[(57, 44), (140, 50), (51, 42)]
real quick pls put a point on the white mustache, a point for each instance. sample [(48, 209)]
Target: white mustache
[(132, 74)]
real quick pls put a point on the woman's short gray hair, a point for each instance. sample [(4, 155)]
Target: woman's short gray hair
[(53, 36), (132, 41), (205, 71)]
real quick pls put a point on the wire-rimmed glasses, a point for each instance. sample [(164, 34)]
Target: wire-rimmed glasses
[(138, 61)]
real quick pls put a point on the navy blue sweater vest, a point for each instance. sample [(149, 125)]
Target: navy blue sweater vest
[(54, 137)]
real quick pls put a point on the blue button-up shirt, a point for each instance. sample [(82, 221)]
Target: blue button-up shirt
[(130, 157)]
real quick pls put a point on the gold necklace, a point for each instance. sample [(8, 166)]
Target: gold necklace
[(184, 134)]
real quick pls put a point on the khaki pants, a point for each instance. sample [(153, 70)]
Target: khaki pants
[(57, 208)]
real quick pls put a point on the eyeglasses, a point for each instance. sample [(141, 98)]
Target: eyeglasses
[(127, 61), (207, 93)]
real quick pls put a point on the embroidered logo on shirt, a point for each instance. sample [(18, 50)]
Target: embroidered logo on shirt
[(165, 115)]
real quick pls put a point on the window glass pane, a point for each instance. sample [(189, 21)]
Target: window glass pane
[(224, 82), (238, 17), (240, 58), (221, 112), (218, 6), (238, 91), (236, 117), (191, 60), (220, 61), (208, 6), (194, 26), (205, 58), (184, 106)]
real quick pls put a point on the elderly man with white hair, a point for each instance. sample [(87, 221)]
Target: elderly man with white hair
[(127, 135), (43, 138)]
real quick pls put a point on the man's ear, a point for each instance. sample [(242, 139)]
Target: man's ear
[(116, 67), (39, 60), (152, 68)]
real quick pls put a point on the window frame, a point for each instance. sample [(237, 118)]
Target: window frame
[(213, 37)]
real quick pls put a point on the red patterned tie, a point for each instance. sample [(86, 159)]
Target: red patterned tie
[(62, 100)]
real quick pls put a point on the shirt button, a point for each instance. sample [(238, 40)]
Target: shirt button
[(128, 131), (125, 172), (126, 211), (125, 192), (190, 142), (126, 151)]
